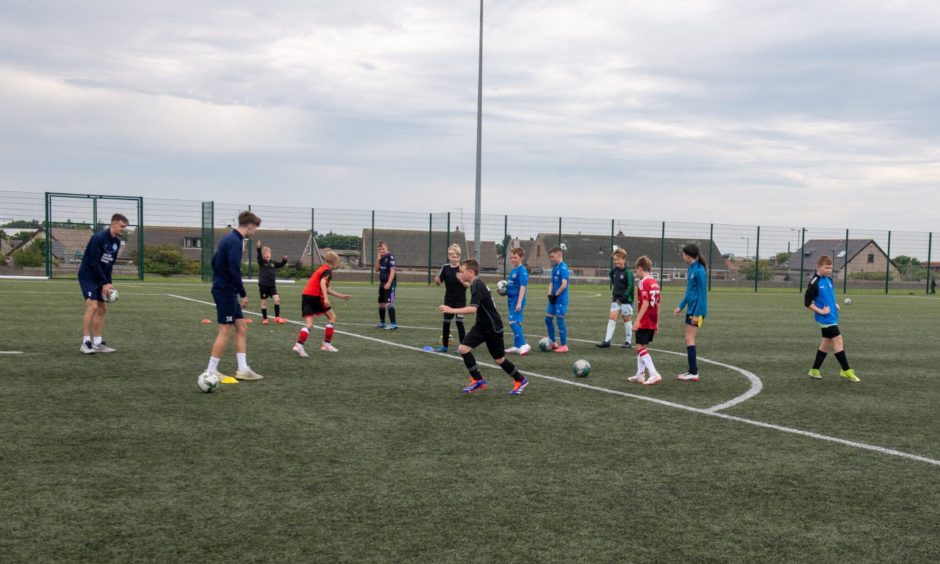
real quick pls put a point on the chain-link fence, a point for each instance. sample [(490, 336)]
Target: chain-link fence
[(178, 237)]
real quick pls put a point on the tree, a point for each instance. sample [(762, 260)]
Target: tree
[(781, 257), (33, 255), (334, 241), (24, 224), (760, 270), (165, 260)]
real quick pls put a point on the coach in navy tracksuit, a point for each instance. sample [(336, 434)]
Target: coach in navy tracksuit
[(230, 297), (94, 276)]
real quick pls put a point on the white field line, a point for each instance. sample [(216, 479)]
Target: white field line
[(708, 412), (11, 352)]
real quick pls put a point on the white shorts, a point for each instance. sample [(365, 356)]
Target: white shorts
[(625, 309)]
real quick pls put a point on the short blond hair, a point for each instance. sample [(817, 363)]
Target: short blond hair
[(265, 249), (455, 248), (619, 253), (331, 259)]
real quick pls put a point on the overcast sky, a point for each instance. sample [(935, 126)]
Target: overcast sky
[(780, 112)]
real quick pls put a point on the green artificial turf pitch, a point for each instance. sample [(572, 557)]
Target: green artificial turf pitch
[(373, 454)]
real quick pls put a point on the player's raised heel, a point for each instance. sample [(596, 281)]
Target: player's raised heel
[(849, 375), (518, 386), (475, 385), (814, 374), (299, 349)]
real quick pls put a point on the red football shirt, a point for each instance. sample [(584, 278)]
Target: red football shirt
[(313, 285), (649, 292)]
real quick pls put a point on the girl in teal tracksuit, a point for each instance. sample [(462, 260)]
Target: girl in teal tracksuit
[(695, 303)]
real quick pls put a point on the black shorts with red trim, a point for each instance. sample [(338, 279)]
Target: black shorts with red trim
[(313, 305)]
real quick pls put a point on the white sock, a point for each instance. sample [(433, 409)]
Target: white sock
[(628, 328), (639, 364), (86, 338), (213, 364), (648, 362), (96, 341), (611, 326), (242, 361)]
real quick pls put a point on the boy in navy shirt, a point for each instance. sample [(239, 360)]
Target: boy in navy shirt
[(94, 276), (820, 298), (388, 279)]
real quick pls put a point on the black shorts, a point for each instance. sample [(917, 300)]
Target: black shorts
[(645, 336), (494, 341), (831, 332), (688, 320), (267, 291), (313, 305), (386, 296), (450, 316)]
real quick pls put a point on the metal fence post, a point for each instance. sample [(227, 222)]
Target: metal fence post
[(505, 244), (208, 239), (845, 265), (757, 270), (929, 251), (313, 236), (448, 231), (559, 231), (611, 267), (662, 252), (140, 239), (430, 243), (711, 244), (250, 249), (888, 264), (48, 235), (372, 249), (802, 254)]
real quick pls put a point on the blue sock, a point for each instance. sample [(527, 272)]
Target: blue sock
[(550, 323), (693, 361), (518, 339), (562, 331)]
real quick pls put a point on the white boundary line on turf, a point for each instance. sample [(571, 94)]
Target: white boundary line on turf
[(756, 384), (11, 352), (709, 412)]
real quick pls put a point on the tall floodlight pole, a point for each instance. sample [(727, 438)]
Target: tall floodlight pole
[(476, 218)]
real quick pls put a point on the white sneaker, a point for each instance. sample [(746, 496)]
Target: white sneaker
[(299, 349), (247, 374), (87, 348), (327, 347), (512, 350), (686, 377), (654, 378), (637, 378), (103, 348), (524, 350)]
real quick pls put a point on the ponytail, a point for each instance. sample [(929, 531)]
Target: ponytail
[(692, 250)]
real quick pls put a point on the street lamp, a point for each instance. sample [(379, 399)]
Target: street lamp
[(747, 251)]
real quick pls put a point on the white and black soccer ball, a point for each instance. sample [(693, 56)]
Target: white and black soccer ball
[(848, 301), (545, 344), (112, 296), (501, 288), (581, 368), (207, 382)]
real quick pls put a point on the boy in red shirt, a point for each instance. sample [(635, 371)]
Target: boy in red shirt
[(316, 301), (647, 322)]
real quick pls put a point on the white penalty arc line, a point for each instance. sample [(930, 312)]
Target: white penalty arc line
[(11, 352), (709, 412)]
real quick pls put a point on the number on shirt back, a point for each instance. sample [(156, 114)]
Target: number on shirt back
[(654, 296)]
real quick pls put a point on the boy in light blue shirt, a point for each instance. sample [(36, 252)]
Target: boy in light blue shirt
[(820, 298), (558, 301), (516, 287)]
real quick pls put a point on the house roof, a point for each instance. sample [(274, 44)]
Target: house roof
[(293, 243), (814, 248), (489, 255), (410, 247), (593, 251)]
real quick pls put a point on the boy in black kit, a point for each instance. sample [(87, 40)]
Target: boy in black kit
[(455, 296), (267, 283), (487, 329)]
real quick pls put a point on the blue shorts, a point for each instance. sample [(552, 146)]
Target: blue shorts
[(557, 309), (516, 316), (227, 308), (90, 290)]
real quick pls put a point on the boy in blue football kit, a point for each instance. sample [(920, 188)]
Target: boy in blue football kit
[(230, 297), (388, 279), (516, 287), (94, 277), (695, 303), (820, 298), (557, 301)]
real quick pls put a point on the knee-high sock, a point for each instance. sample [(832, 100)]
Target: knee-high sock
[(264, 313), (391, 314), (639, 364), (562, 331), (693, 359), (843, 361), (302, 336), (445, 335), (471, 364), (611, 327), (628, 329), (510, 368), (550, 324), (328, 338), (277, 310), (648, 361), (820, 357), (382, 314), (461, 330)]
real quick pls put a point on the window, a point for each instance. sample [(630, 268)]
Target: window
[(538, 250), (841, 254), (871, 258), (192, 243)]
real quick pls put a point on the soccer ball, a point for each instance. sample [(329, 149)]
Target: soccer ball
[(581, 368), (848, 301), (112, 296), (545, 344), (501, 288), (207, 382)]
